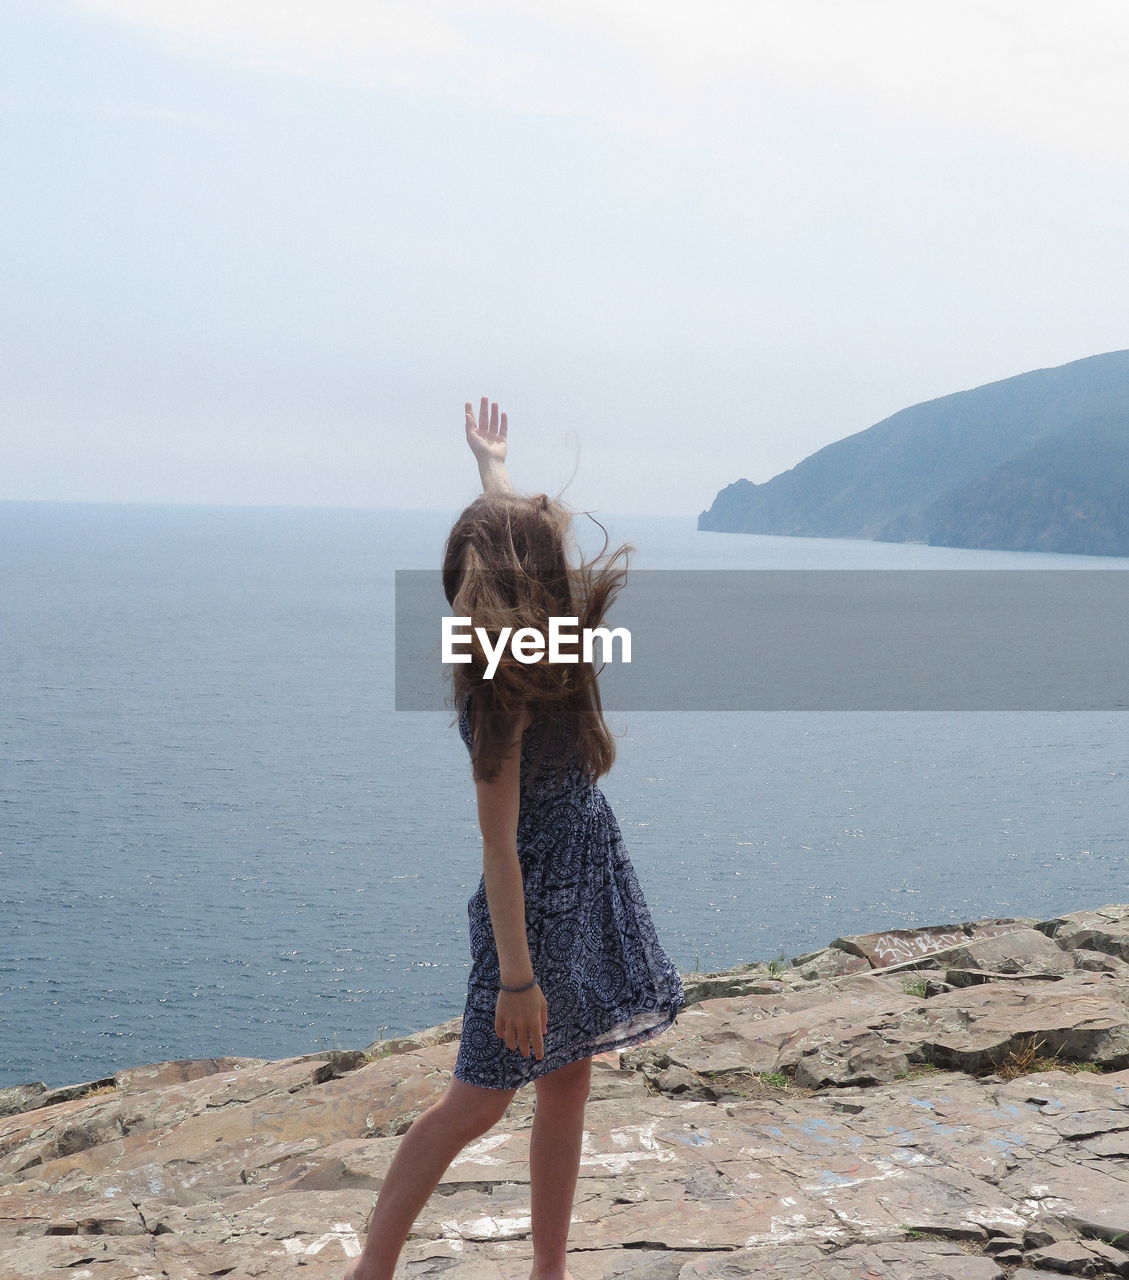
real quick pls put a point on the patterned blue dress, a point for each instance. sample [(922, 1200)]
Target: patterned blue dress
[(604, 974)]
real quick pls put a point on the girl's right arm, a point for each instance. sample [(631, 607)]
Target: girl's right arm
[(487, 439), (520, 1017)]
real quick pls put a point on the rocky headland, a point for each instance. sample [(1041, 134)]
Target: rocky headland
[(945, 1103), (1034, 462)]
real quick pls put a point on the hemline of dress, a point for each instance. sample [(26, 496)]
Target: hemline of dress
[(639, 1037)]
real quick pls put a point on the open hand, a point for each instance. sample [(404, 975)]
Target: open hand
[(487, 436)]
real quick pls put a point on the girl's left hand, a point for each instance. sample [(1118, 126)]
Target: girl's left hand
[(521, 1019), (487, 436)]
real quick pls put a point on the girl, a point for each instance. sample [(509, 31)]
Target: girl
[(565, 960)]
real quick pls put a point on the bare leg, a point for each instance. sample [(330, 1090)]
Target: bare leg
[(465, 1112), (554, 1163)]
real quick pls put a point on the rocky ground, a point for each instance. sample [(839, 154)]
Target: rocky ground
[(938, 1104)]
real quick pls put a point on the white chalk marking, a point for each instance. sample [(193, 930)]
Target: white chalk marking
[(620, 1161), (487, 1227), (998, 1216), (342, 1232), (786, 1228), (477, 1152)]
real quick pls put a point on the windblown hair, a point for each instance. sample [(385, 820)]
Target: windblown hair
[(507, 564)]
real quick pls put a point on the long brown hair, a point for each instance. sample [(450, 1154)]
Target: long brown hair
[(507, 563)]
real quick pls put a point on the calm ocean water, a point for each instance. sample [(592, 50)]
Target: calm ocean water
[(217, 837)]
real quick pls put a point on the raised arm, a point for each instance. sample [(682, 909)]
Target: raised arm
[(487, 440)]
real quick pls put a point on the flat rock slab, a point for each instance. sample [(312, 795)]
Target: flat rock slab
[(832, 1035), (1105, 931), (691, 1178), (900, 946), (866, 1028), (1084, 1017), (887, 1165), (908, 1260)]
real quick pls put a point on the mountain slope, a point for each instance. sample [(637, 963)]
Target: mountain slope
[(1033, 462)]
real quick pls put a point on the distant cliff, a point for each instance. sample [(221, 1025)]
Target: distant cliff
[(1038, 462)]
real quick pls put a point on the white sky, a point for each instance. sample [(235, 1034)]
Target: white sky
[(263, 250)]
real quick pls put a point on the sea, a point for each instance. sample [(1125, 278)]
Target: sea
[(218, 836)]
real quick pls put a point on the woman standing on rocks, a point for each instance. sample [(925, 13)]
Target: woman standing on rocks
[(566, 963)]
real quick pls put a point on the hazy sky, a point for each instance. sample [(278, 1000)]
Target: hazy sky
[(263, 250)]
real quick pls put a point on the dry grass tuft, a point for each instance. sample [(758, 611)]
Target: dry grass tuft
[(1026, 1057)]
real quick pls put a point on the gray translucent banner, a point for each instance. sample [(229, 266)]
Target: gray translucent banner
[(832, 640)]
